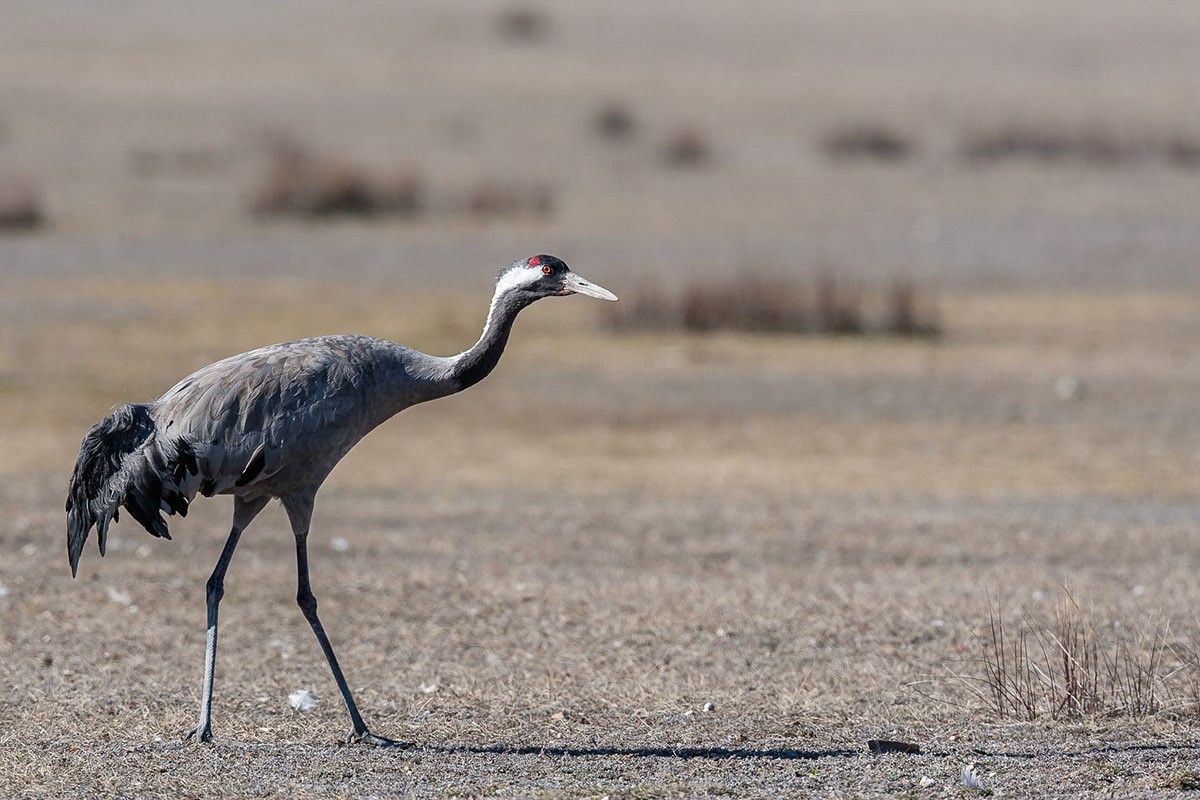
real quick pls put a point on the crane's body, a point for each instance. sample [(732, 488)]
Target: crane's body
[(272, 423)]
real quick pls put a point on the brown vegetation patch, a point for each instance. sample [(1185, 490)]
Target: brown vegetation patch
[(614, 121), (1095, 146), (523, 24), (868, 142), (300, 183), (1076, 667), (20, 207), (764, 302), (503, 199), (686, 148)]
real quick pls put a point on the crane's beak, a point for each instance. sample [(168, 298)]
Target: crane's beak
[(573, 284)]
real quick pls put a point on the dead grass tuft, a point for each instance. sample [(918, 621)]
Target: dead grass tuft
[(614, 121), (497, 199), (300, 183), (165, 161), (1092, 146), (1076, 669), (20, 208), (523, 24), (759, 301), (871, 141), (686, 148)]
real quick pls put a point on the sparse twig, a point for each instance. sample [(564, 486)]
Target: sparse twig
[(1075, 671)]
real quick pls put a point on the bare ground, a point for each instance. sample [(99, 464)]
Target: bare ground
[(634, 566)]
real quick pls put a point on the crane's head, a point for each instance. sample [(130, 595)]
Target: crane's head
[(545, 276)]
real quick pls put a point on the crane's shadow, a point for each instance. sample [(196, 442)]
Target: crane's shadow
[(775, 753), (767, 754)]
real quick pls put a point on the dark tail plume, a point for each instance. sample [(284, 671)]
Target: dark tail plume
[(120, 464)]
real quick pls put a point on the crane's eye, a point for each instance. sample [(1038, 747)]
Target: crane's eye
[(547, 269)]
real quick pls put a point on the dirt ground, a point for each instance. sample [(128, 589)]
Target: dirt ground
[(626, 565)]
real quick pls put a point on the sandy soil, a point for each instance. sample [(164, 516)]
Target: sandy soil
[(696, 565)]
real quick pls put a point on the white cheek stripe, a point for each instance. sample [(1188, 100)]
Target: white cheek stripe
[(520, 276)]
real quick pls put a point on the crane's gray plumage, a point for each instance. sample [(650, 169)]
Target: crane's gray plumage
[(273, 423)]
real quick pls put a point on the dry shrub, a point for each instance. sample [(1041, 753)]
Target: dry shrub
[(1095, 147), (1182, 152), (614, 121), (751, 303), (523, 24), (908, 313), (650, 308), (686, 148), (868, 142), (1076, 669), (20, 208), (837, 310), (760, 302), (497, 199), (157, 161), (301, 184)]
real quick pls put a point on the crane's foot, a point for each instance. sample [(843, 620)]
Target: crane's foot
[(368, 738), (201, 733)]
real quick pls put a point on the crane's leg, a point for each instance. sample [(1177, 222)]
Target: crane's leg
[(300, 513), (244, 511)]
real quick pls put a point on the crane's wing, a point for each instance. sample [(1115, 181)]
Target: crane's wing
[(300, 403)]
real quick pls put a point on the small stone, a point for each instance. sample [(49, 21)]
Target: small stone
[(970, 777), (117, 596), (302, 700), (1069, 387)]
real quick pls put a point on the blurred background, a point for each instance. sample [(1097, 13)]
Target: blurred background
[(910, 313), (995, 145)]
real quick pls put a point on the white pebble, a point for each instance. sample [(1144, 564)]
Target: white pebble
[(117, 596), (302, 700), (970, 777)]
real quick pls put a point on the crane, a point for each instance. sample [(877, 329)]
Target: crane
[(273, 423)]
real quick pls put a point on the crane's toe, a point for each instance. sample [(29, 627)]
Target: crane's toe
[(366, 737), (201, 733)]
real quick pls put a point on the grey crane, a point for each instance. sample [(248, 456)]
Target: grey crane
[(273, 423)]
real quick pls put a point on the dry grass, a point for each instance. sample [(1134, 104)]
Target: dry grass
[(523, 24), (637, 565), (1077, 669), (593, 546), (21, 210), (302, 184), (614, 121), (763, 302), (492, 199), (1094, 146), (867, 141), (687, 148)]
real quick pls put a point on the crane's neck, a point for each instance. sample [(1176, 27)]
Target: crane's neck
[(418, 378), (471, 366)]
